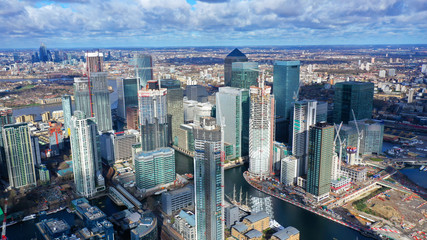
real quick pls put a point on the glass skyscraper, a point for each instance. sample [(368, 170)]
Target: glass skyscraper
[(175, 108), (6, 117), (261, 131), (232, 106), (244, 74), (320, 154), (19, 155), (286, 82), (208, 181), (143, 69), (68, 112), (235, 56), (127, 89), (353, 95), (86, 155)]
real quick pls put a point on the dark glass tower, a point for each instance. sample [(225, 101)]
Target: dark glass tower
[(244, 74), (353, 95), (175, 108), (43, 53), (127, 89), (285, 87), (143, 69), (235, 56)]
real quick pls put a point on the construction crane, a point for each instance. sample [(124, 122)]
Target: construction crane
[(342, 143), (3, 231), (359, 137)]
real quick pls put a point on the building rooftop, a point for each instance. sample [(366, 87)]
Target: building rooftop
[(240, 227), (287, 63), (56, 225), (286, 233), (236, 53), (189, 218), (255, 217), (253, 234), (148, 223)]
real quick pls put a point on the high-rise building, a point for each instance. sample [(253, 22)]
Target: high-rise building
[(261, 130), (86, 155), (153, 122), (286, 81), (244, 74), (56, 138), (43, 57), (123, 145), (153, 168), (127, 89), (132, 117), (106, 140), (35, 144), (143, 69), (196, 93), (356, 96), (235, 56), (280, 151), (94, 62), (304, 116), (288, 171), (208, 181), (232, 107), (19, 155), (373, 133), (6, 117), (320, 158), (68, 112), (322, 112), (175, 106)]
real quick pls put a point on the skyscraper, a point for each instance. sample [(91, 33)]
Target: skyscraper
[(232, 107), (261, 130), (86, 155), (235, 56), (6, 117), (68, 112), (175, 107), (19, 155), (304, 116), (321, 148), (155, 167), (285, 86), (356, 96), (127, 89), (244, 74), (153, 118), (43, 53), (208, 181), (143, 69), (91, 94), (56, 139)]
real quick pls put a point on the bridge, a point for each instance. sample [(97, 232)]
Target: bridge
[(414, 161)]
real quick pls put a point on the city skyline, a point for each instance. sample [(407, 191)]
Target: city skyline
[(197, 23)]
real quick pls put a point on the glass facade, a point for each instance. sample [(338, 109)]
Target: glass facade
[(320, 154), (143, 69), (208, 181), (127, 89), (235, 56), (244, 74), (233, 108), (175, 108), (68, 112), (19, 155), (353, 95), (286, 80), (6, 117)]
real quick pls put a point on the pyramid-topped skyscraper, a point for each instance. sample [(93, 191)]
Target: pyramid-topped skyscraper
[(235, 56)]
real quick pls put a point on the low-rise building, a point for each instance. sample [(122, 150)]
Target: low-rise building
[(185, 224), (147, 229), (232, 215), (289, 233), (340, 185), (178, 199), (355, 173)]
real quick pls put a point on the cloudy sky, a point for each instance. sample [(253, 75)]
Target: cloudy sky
[(156, 23)]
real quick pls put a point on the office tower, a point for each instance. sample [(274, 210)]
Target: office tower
[(208, 180), (106, 140), (288, 170), (286, 83), (193, 111), (153, 118), (356, 96), (304, 116), (6, 117), (196, 93), (411, 95), (68, 112), (127, 89), (19, 155), (132, 117), (35, 144), (123, 145), (175, 106), (373, 134), (280, 151), (232, 107), (91, 93), (86, 154), (322, 112), (320, 154), (153, 168), (143, 69), (235, 56), (43, 53), (244, 74), (56, 138), (261, 130)]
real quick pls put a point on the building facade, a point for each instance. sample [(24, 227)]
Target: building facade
[(127, 89), (235, 56), (67, 108), (19, 155), (244, 74), (6, 117), (143, 69), (289, 168), (178, 199), (208, 181), (261, 131), (175, 105)]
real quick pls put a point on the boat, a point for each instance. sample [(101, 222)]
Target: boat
[(29, 217), (239, 204), (422, 167)]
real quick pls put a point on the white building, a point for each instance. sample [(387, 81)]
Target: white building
[(288, 173), (185, 225)]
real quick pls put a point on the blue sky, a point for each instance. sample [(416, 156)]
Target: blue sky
[(157, 23)]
